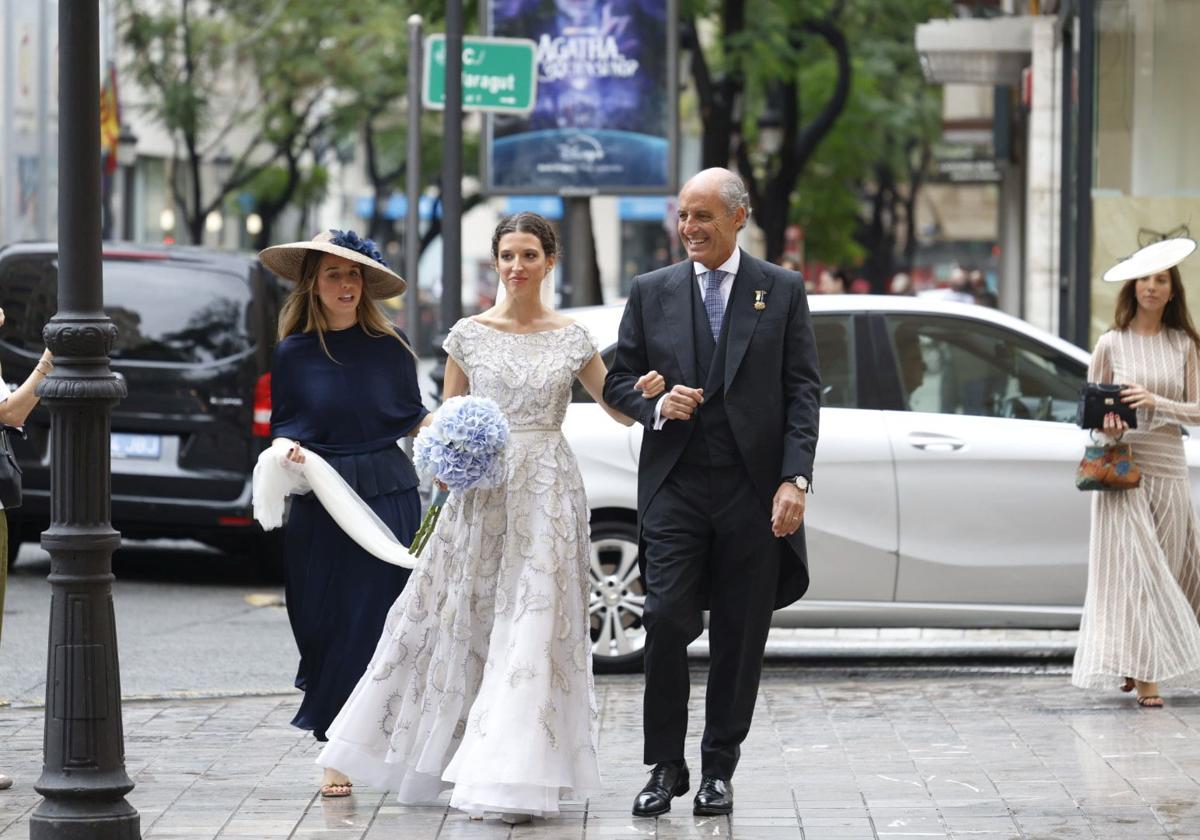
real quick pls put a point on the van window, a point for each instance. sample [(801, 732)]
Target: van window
[(165, 311)]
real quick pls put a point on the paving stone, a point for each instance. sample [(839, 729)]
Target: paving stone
[(831, 757)]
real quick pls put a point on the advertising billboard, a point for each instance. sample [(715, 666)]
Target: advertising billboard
[(604, 120)]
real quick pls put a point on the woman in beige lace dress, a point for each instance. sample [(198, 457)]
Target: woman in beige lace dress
[(1140, 625)]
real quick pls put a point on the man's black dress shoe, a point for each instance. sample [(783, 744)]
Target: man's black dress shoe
[(715, 797), (668, 779)]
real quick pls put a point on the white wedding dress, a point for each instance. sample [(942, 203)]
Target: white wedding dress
[(482, 678)]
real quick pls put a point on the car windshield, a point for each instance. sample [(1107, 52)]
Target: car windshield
[(165, 311)]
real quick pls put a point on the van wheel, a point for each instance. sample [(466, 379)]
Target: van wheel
[(616, 599)]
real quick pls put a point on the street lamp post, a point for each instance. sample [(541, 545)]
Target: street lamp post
[(83, 779), (452, 172), (412, 177), (127, 159), (222, 166)]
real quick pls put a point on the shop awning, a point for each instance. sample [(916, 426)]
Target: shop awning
[(975, 51)]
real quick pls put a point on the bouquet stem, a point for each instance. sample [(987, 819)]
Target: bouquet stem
[(425, 531)]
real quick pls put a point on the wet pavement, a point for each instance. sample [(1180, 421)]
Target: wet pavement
[(834, 754)]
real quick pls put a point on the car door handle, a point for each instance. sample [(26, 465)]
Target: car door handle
[(932, 442)]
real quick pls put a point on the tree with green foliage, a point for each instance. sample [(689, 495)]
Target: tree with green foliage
[(305, 82), (837, 81), (186, 55), (753, 63)]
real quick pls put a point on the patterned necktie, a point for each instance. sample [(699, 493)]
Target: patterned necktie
[(713, 305)]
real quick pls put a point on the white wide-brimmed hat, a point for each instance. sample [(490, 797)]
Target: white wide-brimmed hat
[(1156, 257), (288, 260)]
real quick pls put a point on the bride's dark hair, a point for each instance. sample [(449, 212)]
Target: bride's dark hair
[(526, 223)]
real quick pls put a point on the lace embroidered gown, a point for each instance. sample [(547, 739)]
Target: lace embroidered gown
[(482, 679), (1143, 593)]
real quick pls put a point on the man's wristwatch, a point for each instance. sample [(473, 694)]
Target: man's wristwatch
[(800, 481)]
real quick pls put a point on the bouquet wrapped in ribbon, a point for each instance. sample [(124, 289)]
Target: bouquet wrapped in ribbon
[(462, 448)]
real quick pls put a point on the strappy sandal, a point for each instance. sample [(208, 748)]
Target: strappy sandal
[(336, 790), (1129, 685), (1148, 702)]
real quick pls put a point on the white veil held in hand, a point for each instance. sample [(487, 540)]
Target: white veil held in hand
[(275, 478)]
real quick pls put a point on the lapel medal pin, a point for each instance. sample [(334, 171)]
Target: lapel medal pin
[(759, 303)]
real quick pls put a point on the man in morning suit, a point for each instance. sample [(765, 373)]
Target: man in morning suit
[(726, 462)]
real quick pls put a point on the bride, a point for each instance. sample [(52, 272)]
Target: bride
[(482, 680)]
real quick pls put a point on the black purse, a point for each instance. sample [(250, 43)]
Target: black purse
[(10, 473), (1097, 399)]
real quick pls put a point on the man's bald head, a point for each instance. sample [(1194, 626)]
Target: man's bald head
[(728, 186), (713, 207)]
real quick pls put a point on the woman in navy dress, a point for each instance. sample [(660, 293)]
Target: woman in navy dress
[(343, 385)]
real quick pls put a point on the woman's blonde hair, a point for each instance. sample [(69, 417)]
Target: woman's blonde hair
[(302, 311)]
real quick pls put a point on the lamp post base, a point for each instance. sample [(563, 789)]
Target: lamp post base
[(64, 820)]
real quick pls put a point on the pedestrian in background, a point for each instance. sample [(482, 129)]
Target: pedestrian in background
[(14, 410), (836, 282), (983, 294), (344, 385), (901, 284), (1139, 624), (792, 265), (959, 290)]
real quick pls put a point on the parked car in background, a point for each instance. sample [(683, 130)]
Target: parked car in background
[(195, 332), (943, 490)]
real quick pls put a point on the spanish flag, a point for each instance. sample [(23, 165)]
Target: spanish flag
[(110, 121)]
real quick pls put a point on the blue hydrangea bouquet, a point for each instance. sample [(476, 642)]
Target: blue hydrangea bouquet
[(462, 449)]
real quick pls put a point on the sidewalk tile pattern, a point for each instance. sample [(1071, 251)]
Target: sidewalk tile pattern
[(850, 756)]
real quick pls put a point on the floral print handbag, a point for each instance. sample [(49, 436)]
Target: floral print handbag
[(1107, 467)]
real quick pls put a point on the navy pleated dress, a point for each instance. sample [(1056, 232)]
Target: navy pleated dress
[(351, 412)]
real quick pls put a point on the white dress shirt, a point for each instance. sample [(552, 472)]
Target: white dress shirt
[(730, 267)]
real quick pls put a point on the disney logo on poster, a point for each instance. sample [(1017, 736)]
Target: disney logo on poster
[(582, 149)]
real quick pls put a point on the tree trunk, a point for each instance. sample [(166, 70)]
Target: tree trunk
[(270, 211), (877, 236), (771, 199)]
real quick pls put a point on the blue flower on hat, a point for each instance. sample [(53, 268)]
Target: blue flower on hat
[(350, 239)]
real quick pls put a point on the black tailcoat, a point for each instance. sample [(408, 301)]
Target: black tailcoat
[(771, 383)]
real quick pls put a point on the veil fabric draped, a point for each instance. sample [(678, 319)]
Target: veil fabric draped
[(276, 477)]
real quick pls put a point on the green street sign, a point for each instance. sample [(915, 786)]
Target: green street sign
[(499, 74)]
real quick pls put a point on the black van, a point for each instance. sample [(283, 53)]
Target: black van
[(196, 328)]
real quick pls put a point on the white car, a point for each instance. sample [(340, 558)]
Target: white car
[(943, 490)]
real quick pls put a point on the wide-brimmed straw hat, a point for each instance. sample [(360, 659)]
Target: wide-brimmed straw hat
[(1156, 257), (288, 260)]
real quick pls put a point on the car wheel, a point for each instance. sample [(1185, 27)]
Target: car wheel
[(616, 600)]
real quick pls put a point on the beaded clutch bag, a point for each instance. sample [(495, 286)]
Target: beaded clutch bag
[(1108, 467)]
